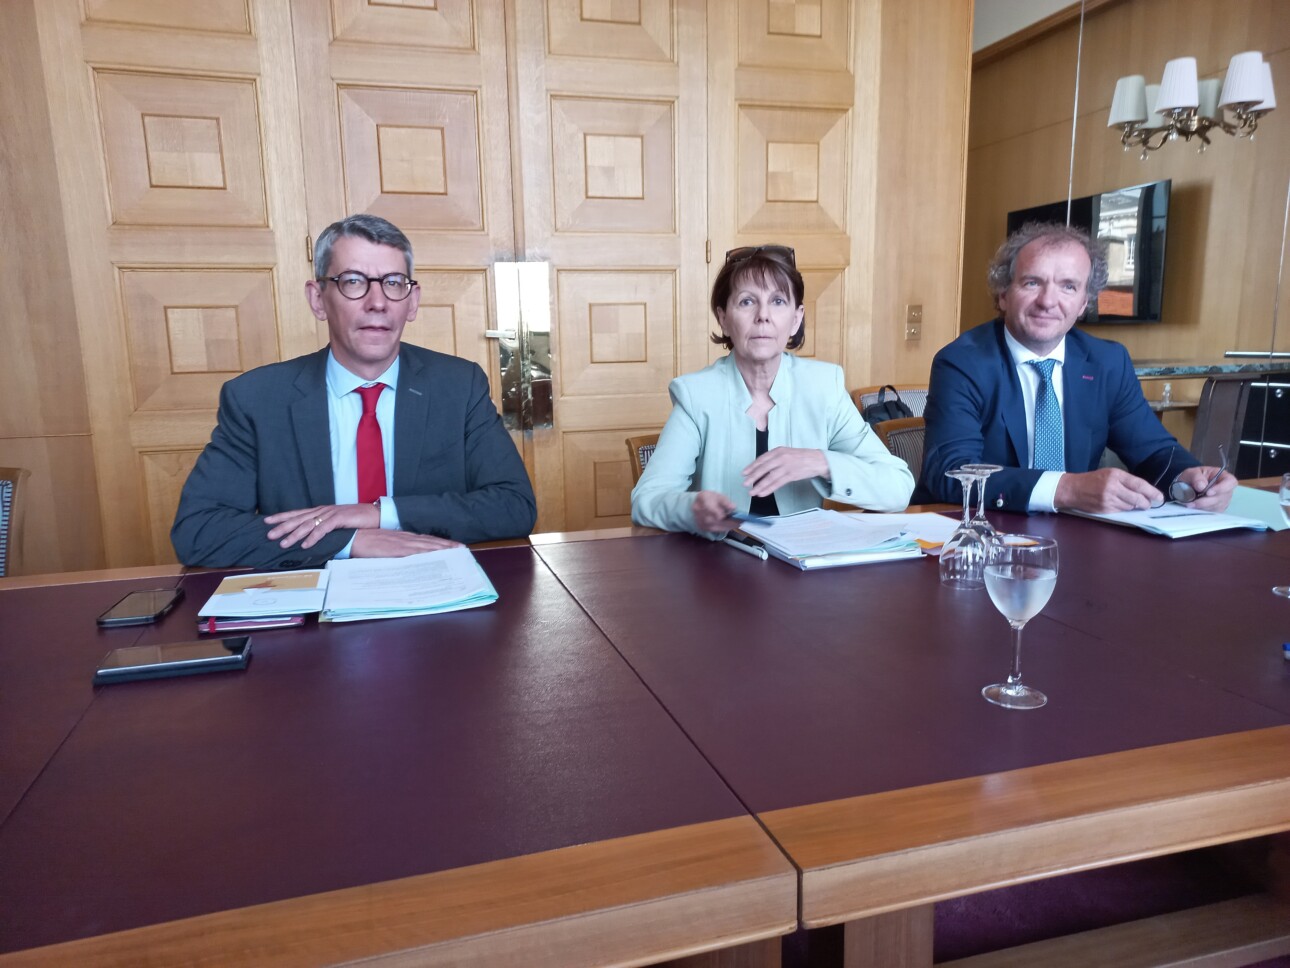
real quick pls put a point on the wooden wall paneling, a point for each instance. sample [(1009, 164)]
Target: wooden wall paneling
[(44, 417), (610, 127), (782, 140), (152, 149), (406, 110), (63, 530), (922, 137)]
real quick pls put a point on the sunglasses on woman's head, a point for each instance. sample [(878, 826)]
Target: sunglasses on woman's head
[(748, 251)]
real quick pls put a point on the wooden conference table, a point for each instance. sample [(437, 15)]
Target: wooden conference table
[(587, 771)]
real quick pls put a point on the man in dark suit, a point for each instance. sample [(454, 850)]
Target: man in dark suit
[(1028, 392), (368, 448)]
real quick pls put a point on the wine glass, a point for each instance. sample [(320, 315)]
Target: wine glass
[(1284, 590), (980, 523), (963, 554), (1020, 577)]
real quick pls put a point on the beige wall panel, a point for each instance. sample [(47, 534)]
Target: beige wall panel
[(792, 170), (413, 157), (191, 330), (181, 150), (417, 23), (453, 314), (795, 33), (599, 492), (63, 531), (637, 29), (825, 303), (617, 330), (224, 16), (164, 473), (614, 165), (42, 384)]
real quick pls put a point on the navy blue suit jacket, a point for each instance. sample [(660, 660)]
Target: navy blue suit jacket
[(976, 414), (456, 472)]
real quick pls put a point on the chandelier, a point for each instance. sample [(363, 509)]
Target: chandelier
[(1182, 107)]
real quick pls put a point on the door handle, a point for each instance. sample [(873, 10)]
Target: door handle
[(500, 334)]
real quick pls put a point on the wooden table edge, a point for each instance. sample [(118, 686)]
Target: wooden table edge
[(633, 899), (867, 855)]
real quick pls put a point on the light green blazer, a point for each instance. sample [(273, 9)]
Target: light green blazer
[(709, 439)]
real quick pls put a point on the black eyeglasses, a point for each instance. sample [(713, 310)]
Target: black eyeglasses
[(354, 285), (745, 252)]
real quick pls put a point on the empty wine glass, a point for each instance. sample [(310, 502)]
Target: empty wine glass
[(963, 554), (1020, 577), (980, 523), (1284, 590)]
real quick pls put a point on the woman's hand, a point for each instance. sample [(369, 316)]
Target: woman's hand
[(712, 511), (783, 465)]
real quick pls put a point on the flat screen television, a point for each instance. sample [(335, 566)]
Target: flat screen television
[(1132, 222)]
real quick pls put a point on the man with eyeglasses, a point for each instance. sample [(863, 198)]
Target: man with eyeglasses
[(370, 447), (1030, 393)]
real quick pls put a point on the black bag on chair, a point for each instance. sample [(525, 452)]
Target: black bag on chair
[(885, 409)]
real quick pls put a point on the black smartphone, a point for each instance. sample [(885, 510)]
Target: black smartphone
[(141, 608), (173, 659)]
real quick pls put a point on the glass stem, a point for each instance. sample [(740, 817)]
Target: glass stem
[(1014, 677), (967, 501)]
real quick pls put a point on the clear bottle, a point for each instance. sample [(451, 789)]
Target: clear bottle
[(1167, 394)]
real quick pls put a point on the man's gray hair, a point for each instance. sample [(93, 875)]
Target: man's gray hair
[(1047, 234), (373, 228)]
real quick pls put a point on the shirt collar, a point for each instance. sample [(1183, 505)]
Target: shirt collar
[(341, 381), (1022, 355)]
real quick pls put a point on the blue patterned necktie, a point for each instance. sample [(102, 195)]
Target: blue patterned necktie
[(1050, 440)]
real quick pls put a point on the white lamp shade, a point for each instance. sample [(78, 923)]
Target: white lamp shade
[(1178, 88), (1269, 96), (1209, 98), (1244, 82), (1154, 120), (1129, 106)]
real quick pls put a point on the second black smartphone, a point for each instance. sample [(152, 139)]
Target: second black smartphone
[(141, 608)]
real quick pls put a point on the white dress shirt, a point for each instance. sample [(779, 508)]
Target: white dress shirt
[(1043, 496), (344, 409)]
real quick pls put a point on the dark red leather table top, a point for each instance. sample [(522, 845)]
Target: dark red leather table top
[(346, 754), (810, 687)]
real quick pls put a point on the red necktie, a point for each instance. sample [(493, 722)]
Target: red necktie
[(371, 452)]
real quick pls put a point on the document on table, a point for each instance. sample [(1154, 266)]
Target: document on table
[(1174, 520), (823, 539), (437, 581), (1251, 502), (268, 594)]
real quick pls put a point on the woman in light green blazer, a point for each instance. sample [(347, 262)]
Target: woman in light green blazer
[(762, 430)]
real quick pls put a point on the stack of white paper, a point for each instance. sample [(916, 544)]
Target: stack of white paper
[(437, 581), (1174, 520), (828, 539), (359, 588)]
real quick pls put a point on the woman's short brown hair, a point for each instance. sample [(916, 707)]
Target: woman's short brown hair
[(773, 266)]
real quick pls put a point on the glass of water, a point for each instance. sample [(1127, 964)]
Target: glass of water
[(1020, 576), (1284, 590)]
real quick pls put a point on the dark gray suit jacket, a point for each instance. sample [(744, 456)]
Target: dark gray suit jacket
[(456, 473)]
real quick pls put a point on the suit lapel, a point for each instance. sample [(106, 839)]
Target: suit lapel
[(1011, 405), (313, 434), (1079, 387), (411, 420)]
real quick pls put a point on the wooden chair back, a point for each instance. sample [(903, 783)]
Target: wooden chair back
[(640, 450), (904, 438)]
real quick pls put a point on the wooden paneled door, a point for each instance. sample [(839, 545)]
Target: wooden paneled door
[(404, 113), (611, 129), (176, 131)]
